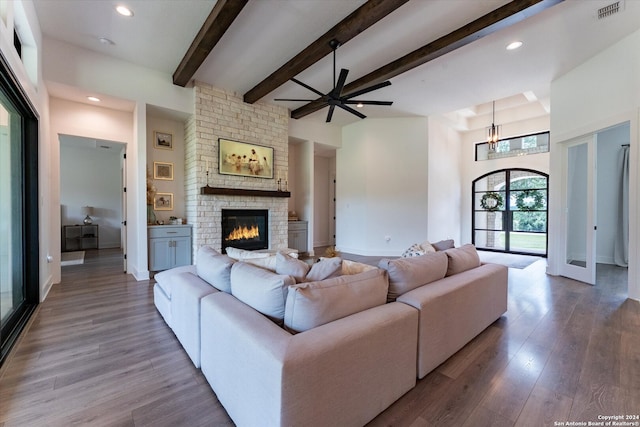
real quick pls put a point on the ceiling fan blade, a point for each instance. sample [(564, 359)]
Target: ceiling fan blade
[(367, 89), (330, 113), (292, 99), (351, 110), (306, 86), (367, 102), (337, 91)]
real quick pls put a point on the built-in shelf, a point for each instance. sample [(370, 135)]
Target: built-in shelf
[(243, 192)]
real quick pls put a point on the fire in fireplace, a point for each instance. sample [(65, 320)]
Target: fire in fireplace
[(245, 229)]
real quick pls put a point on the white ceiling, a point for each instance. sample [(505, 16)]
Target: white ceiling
[(269, 32)]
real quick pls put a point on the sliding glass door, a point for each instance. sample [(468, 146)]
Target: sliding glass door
[(510, 211), (18, 211)]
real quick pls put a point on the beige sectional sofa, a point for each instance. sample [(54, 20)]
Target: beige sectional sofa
[(284, 343)]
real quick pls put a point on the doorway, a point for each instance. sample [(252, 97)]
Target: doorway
[(92, 180), (510, 212), (595, 203)]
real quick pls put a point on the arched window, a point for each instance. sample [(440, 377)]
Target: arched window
[(510, 211)]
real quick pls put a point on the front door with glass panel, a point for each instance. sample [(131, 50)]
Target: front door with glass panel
[(510, 211)]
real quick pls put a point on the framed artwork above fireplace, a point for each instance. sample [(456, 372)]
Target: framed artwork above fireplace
[(243, 159)]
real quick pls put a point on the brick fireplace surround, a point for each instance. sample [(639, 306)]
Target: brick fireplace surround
[(221, 114)]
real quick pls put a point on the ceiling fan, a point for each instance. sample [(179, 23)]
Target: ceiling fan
[(335, 98)]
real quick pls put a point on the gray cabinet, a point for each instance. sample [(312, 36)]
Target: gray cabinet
[(298, 235), (169, 246)]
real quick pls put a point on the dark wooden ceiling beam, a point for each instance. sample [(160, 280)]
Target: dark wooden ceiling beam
[(504, 16), (358, 21), (217, 23)]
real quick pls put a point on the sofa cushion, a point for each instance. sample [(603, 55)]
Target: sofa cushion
[(261, 289), (406, 274), (325, 269), (165, 278), (214, 268), (443, 245), (289, 266), (313, 304), (462, 259), (355, 267)]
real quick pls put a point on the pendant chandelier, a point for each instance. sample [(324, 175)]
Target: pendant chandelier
[(493, 131)]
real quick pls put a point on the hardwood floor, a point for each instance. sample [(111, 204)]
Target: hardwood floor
[(97, 353)]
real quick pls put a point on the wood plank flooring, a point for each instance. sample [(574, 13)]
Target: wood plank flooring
[(97, 353)]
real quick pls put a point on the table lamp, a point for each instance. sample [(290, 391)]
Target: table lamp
[(87, 210)]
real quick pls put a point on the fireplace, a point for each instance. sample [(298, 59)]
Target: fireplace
[(245, 229)]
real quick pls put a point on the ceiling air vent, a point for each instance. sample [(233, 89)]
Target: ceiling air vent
[(612, 9)]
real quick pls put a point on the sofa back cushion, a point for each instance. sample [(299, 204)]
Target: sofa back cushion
[(214, 268), (462, 259), (443, 245), (313, 304), (289, 266), (326, 268), (261, 289), (406, 274)]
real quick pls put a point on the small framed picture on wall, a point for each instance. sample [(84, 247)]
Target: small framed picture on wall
[(163, 170), (163, 140), (163, 202)]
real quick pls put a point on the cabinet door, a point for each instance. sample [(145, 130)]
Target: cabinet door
[(160, 254), (182, 251)]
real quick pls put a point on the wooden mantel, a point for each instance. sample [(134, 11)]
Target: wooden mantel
[(242, 192)]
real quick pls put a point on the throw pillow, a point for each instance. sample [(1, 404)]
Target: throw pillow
[(325, 269), (427, 247), (214, 268), (354, 267), (462, 259), (413, 250), (443, 245), (406, 274), (316, 303), (263, 290), (291, 267)]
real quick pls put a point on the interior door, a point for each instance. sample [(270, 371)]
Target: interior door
[(579, 207), (123, 227)]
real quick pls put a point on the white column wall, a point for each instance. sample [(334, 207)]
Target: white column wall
[(382, 173), (581, 105)]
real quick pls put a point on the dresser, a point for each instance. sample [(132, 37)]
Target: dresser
[(169, 246), (79, 237), (298, 235)]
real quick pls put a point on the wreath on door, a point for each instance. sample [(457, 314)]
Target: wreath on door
[(530, 200), (491, 201)]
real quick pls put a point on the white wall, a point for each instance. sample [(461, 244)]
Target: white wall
[(174, 156), (91, 176), (323, 170), (22, 15), (89, 71), (446, 185), (582, 104), (88, 121), (382, 174)]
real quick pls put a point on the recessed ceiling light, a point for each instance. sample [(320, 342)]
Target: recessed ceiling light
[(124, 10), (106, 41), (359, 105), (514, 45), (93, 98)]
